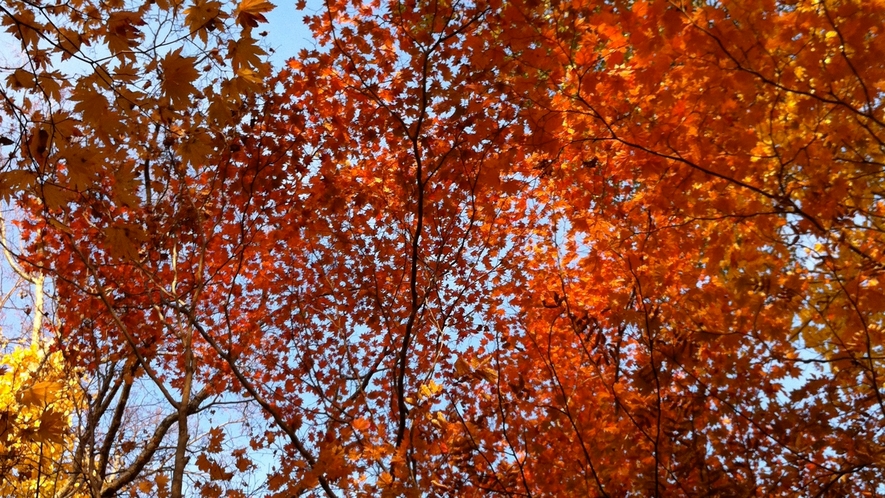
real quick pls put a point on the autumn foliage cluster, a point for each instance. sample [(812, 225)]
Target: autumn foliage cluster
[(457, 248)]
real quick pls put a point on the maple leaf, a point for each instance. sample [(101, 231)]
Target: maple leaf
[(41, 393), (15, 181), (216, 438), (145, 486), (361, 424), (123, 32), (179, 75), (245, 56), (36, 403), (251, 12), (24, 26), (52, 428), (462, 368), (55, 197), (69, 42), (196, 147), (162, 481), (204, 16), (52, 84), (123, 240), (243, 464), (216, 472), (21, 78), (521, 248)]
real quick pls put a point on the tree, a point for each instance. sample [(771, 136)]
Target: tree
[(109, 102), (521, 248), (37, 401)]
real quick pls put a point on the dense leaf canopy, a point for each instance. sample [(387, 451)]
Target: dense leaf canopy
[(459, 248)]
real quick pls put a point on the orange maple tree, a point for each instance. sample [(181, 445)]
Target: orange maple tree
[(583, 248)]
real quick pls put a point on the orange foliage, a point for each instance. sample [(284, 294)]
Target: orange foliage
[(582, 248)]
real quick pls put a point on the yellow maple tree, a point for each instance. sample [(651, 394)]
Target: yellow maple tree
[(37, 400)]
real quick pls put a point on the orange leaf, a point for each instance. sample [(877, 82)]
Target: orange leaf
[(179, 74), (251, 12), (361, 424)]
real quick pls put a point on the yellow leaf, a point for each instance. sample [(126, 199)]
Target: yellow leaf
[(196, 148), (429, 390), (52, 427), (50, 84), (59, 225), (249, 76), (169, 4), (126, 184), (41, 393), (24, 26)]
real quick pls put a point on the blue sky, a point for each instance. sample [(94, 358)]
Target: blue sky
[(286, 31)]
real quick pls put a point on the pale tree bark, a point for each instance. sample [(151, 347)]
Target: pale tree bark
[(37, 280)]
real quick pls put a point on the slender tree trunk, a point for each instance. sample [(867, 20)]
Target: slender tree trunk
[(38, 309), (181, 447)]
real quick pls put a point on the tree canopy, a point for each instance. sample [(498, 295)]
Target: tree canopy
[(457, 248)]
